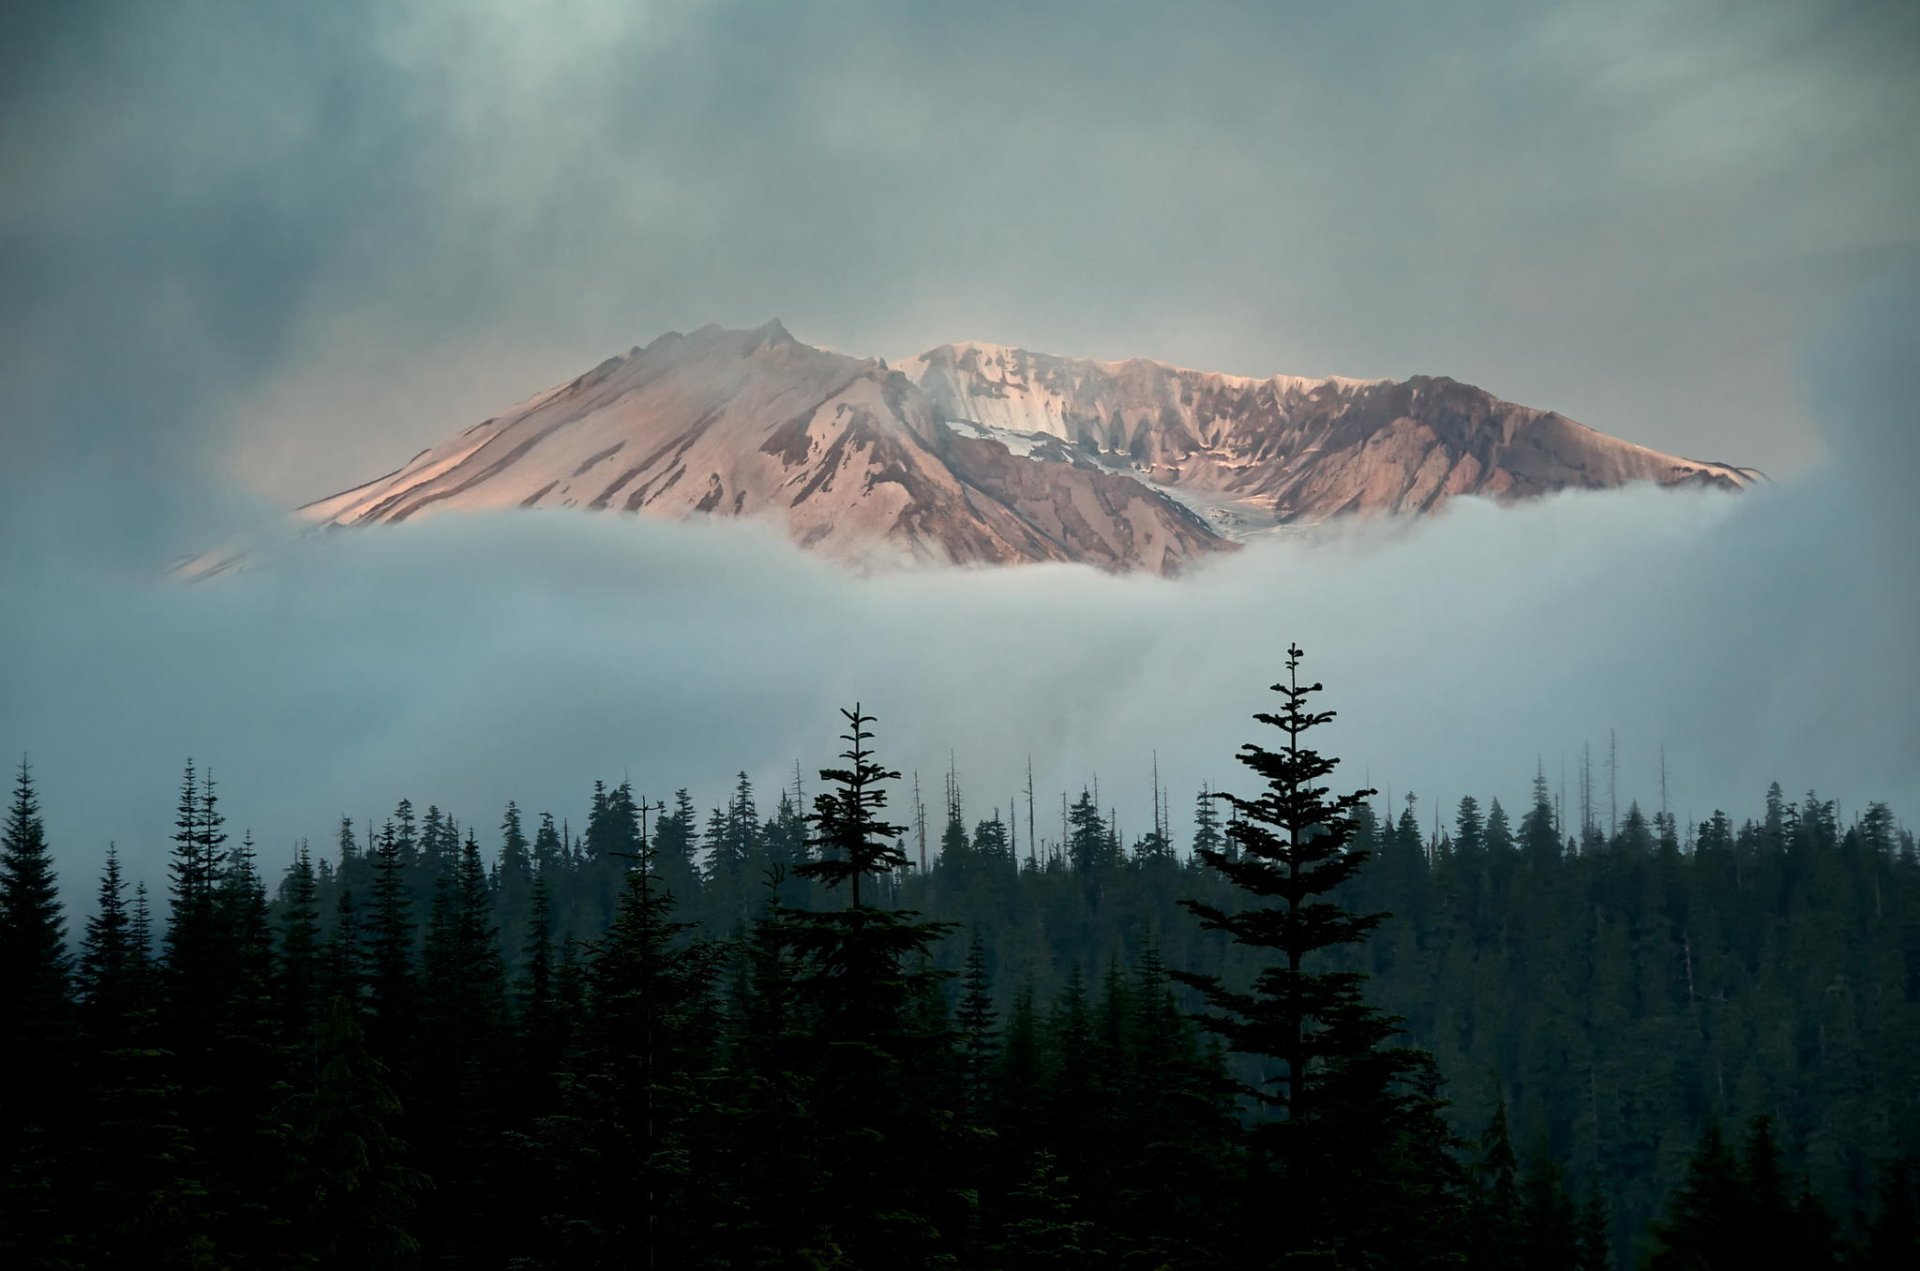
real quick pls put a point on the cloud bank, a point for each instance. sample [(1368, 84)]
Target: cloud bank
[(251, 254), (466, 661)]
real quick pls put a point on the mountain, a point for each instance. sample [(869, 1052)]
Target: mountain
[(1287, 449), (981, 454)]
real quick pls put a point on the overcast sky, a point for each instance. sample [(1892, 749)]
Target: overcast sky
[(252, 253)]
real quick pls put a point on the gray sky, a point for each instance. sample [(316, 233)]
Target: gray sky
[(251, 253)]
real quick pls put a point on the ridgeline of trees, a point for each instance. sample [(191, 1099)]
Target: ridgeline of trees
[(1313, 1039)]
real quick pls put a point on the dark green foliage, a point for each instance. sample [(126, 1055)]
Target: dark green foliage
[(356, 1190), (33, 993), (864, 978), (388, 949), (979, 1042), (1350, 1127), (1737, 1212), (303, 973), (461, 1054), (608, 1051)]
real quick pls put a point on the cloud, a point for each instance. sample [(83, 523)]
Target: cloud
[(468, 661), (254, 254), (249, 255)]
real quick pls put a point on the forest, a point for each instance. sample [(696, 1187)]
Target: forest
[(820, 1036)]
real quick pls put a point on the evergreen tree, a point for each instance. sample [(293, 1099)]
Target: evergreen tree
[(979, 1041), (1469, 830), (237, 1102), (356, 1189), (389, 951), (34, 964), (1496, 1216), (674, 850), (863, 968), (35, 1012), (1351, 1132), (1206, 825), (513, 879), (463, 1017), (109, 962), (341, 956), (146, 1199), (1539, 839), (303, 972)]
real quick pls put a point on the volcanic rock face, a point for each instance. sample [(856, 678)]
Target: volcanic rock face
[(974, 453), (845, 451), (1289, 449)]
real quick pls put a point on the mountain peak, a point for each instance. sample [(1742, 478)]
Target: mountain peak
[(987, 453)]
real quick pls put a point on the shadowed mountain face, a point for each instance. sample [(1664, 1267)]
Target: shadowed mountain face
[(978, 454)]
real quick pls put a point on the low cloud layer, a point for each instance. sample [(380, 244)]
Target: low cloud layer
[(468, 661), (249, 255)]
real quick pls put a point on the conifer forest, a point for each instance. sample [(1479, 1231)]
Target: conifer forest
[(838, 1027)]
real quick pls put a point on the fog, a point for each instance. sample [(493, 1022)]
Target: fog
[(252, 254), (468, 661)]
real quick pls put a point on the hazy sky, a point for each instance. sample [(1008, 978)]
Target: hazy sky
[(251, 253)]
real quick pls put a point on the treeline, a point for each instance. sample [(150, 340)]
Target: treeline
[(771, 1040)]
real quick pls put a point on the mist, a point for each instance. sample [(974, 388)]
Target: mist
[(251, 257), (468, 661)]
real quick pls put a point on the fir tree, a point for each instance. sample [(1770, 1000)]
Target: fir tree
[(34, 964), (462, 1002), (979, 1041), (356, 1188), (1352, 1126), (389, 951), (303, 971), (863, 968)]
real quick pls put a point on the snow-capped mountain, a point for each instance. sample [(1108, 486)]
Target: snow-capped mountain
[(976, 453), (1288, 449)]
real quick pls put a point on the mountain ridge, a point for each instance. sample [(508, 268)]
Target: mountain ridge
[(975, 453)]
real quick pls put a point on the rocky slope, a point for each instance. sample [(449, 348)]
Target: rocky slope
[(846, 452), (976, 453), (1289, 449)]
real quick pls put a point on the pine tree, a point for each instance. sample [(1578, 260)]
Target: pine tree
[(197, 970), (36, 1015), (1496, 1217), (303, 971), (1549, 1224), (674, 848), (237, 1105), (979, 1041), (513, 879), (462, 1004), (389, 951), (1206, 824), (356, 1189), (146, 1196), (341, 955), (34, 965), (537, 1015), (1469, 830), (108, 960), (1702, 1229), (1089, 845), (652, 1038), (1539, 840), (1352, 1129), (863, 969), (777, 1177)]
